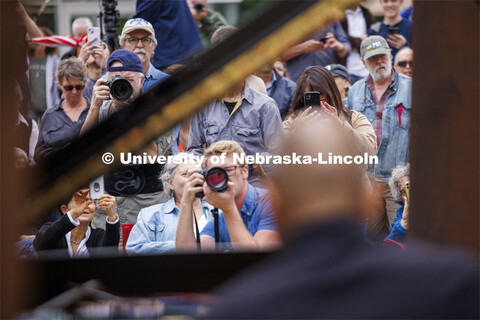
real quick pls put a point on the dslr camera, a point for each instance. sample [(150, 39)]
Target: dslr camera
[(216, 178), (198, 6), (120, 89)]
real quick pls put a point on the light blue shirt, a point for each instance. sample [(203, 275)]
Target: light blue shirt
[(153, 77), (156, 227), (256, 213), (270, 84)]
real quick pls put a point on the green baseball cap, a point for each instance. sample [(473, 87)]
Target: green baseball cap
[(372, 46)]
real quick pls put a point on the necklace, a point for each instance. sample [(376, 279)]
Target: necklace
[(77, 242)]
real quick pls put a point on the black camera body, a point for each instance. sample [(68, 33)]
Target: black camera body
[(120, 88), (198, 6), (216, 178)]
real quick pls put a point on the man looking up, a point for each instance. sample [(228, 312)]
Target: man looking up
[(384, 97)]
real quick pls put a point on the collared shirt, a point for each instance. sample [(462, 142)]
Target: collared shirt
[(156, 227), (270, 84), (82, 250), (256, 214), (153, 77), (57, 130), (379, 104), (255, 125)]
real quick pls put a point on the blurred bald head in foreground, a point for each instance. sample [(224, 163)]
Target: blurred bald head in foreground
[(327, 270), (304, 193)]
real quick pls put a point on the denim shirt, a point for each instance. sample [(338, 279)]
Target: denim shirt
[(256, 214), (256, 125), (393, 149), (156, 227), (282, 91), (153, 77)]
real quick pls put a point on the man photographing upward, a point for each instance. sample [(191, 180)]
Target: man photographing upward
[(247, 221)]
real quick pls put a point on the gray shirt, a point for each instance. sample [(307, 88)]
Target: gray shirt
[(256, 125), (36, 69)]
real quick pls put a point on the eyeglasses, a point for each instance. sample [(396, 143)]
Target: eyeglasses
[(231, 170), (77, 87), (404, 63), (145, 41)]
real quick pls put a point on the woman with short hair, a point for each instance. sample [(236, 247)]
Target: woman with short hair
[(156, 225), (61, 124)]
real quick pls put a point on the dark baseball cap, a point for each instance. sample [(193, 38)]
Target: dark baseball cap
[(130, 61), (337, 70)]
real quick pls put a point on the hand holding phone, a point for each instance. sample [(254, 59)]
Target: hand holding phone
[(311, 99), (94, 33), (97, 188)]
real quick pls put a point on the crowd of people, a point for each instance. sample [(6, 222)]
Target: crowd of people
[(345, 91), (71, 96), (361, 71)]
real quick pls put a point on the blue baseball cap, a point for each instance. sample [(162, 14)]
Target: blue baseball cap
[(337, 70), (130, 61)]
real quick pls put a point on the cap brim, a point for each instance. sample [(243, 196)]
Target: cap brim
[(133, 28), (375, 52)]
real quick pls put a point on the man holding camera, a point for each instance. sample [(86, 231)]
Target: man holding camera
[(125, 70), (246, 222)]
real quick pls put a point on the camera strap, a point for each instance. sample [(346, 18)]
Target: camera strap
[(216, 226), (197, 231)]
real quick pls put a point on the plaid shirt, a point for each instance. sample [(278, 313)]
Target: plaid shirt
[(379, 104)]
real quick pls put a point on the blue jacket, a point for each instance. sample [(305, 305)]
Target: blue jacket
[(398, 232), (393, 149), (282, 92)]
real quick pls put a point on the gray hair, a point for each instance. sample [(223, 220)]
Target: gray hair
[(398, 173), (172, 165), (71, 68), (399, 54), (221, 34), (81, 22)]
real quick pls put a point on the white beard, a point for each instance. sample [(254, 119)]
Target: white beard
[(380, 75)]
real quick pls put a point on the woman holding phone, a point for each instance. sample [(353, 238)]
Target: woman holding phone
[(73, 232), (316, 94)]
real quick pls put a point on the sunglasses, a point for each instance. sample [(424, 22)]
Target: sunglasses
[(404, 63), (78, 87)]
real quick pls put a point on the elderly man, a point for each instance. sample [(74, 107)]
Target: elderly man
[(247, 221), (138, 36), (404, 62), (326, 270), (384, 97)]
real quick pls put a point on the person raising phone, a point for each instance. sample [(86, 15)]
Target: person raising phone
[(72, 232)]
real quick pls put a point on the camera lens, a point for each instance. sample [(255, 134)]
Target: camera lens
[(198, 6), (121, 89), (96, 187), (217, 179)]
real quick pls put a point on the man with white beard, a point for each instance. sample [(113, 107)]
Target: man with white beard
[(138, 36), (384, 97)]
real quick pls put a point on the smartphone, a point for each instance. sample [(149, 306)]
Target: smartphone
[(407, 190), (94, 32), (324, 40), (393, 30), (97, 188), (312, 99)]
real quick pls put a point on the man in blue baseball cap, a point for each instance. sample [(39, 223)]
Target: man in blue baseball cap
[(125, 64), (128, 66)]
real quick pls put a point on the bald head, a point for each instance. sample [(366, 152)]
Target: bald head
[(304, 193)]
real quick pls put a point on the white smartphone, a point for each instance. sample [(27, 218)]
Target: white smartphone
[(94, 32), (97, 188)]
